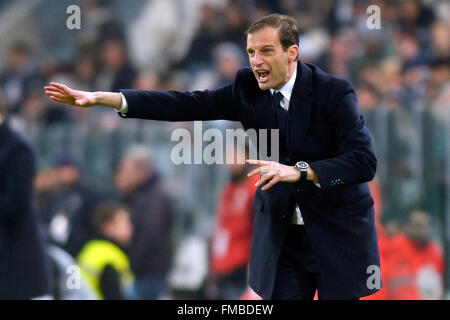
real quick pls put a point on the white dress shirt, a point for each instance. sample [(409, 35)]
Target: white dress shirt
[(286, 91)]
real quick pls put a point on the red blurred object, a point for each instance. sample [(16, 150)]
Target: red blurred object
[(232, 237), (412, 271), (249, 294)]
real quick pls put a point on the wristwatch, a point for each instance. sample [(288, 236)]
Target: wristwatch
[(302, 167)]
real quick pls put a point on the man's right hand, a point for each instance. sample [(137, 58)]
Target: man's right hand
[(62, 93)]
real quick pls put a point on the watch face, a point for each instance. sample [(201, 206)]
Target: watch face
[(302, 165)]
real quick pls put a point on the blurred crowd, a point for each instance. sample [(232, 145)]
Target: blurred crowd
[(124, 240)]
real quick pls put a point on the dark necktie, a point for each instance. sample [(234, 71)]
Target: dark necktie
[(277, 97), (282, 118)]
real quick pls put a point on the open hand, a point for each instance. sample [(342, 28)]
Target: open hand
[(62, 93), (273, 171)]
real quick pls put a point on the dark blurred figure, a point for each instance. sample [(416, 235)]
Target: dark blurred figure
[(103, 261), (440, 39), (415, 266), (234, 25), (337, 59), (439, 77), (368, 98), (152, 215), (46, 184), (73, 201), (99, 24), (85, 70), (204, 40), (232, 236), (116, 71), (20, 78), (415, 15), (228, 59), (24, 269)]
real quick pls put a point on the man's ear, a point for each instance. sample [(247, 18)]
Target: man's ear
[(292, 53)]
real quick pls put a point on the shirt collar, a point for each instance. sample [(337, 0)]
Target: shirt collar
[(286, 90)]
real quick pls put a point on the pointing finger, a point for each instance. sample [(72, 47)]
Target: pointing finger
[(55, 94), (259, 170), (271, 183), (257, 162), (60, 87), (264, 178)]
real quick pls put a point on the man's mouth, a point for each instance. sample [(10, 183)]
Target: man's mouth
[(262, 75)]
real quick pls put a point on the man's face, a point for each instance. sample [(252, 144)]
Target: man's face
[(269, 62), (418, 227), (128, 176)]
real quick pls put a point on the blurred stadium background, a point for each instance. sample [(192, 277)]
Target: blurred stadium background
[(401, 73)]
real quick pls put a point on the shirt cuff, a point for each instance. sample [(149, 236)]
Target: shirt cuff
[(124, 107)]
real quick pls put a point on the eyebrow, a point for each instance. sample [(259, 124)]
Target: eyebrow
[(269, 46)]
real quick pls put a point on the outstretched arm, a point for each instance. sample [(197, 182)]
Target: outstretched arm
[(62, 93), (153, 104)]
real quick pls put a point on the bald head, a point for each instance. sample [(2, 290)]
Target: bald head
[(134, 169), (418, 226)]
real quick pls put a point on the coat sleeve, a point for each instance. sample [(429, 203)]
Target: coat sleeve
[(18, 198), (170, 105), (356, 161)]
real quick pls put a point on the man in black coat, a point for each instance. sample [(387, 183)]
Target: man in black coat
[(24, 272), (151, 211), (73, 203), (314, 222)]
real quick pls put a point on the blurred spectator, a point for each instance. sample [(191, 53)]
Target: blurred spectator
[(103, 261), (368, 97), (85, 71), (46, 183), (228, 58), (24, 269), (415, 14), (408, 49), (189, 279), (99, 24), (146, 81), (64, 270), (151, 212), (72, 205), (234, 25), (203, 42), (20, 77), (116, 71), (415, 267), (439, 77), (440, 39), (232, 236), (337, 59)]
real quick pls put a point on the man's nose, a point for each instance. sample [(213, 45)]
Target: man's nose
[(257, 60)]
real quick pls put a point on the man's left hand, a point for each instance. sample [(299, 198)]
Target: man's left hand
[(273, 171)]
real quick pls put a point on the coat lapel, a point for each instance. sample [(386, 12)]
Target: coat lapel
[(300, 107)]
